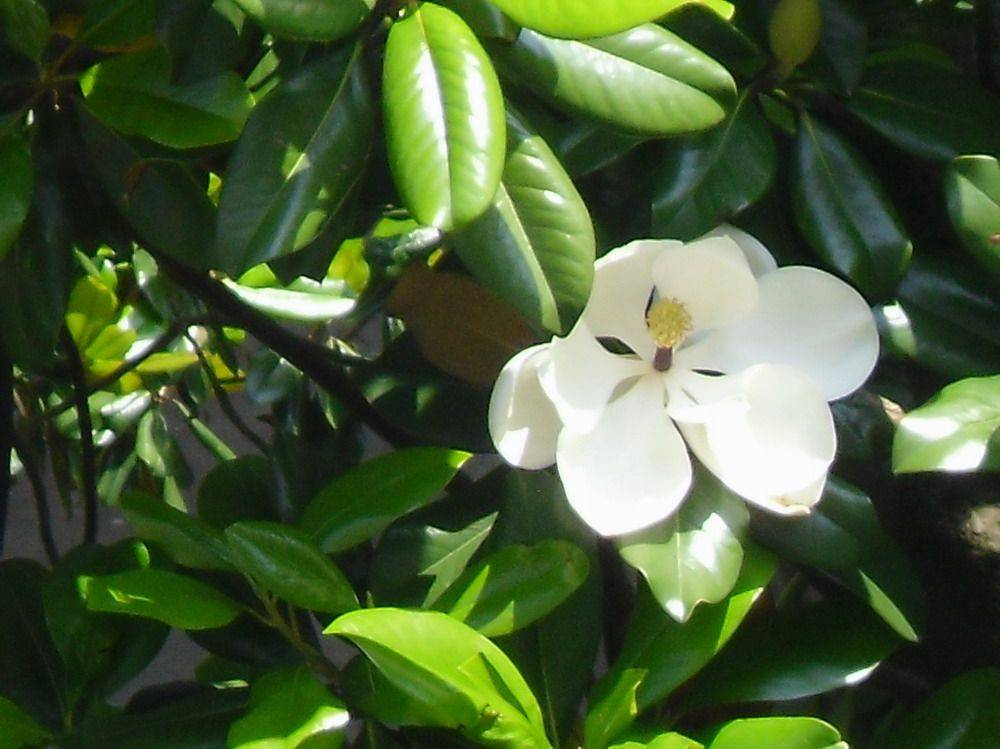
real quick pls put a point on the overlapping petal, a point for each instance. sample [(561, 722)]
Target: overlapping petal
[(758, 257), (805, 318), (711, 277), (523, 422), (631, 469)]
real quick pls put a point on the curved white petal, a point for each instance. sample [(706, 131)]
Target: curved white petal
[(807, 319), (580, 376), (632, 469), (623, 281), (776, 447), (523, 422), (711, 277), (759, 258)]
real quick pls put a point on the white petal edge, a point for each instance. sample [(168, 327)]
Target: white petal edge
[(758, 257), (776, 449), (807, 319), (623, 281), (632, 469), (711, 277), (523, 422), (580, 376)]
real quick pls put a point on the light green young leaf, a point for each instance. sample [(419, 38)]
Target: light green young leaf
[(770, 733), (17, 728)]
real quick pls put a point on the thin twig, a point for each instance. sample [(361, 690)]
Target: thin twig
[(224, 401), (311, 359), (88, 468), (177, 328)]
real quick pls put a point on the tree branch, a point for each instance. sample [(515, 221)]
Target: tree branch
[(88, 455)]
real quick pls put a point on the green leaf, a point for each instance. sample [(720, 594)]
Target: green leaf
[(288, 708), (928, 110), (574, 20), (844, 213), (284, 561), (695, 555), (316, 20), (27, 25), (585, 147), (515, 586), (444, 118), (300, 157), (134, 94), (415, 562), (238, 489), (363, 502), (972, 186), (767, 733), (646, 81), (484, 18), (112, 23), (453, 676), (534, 246), (15, 189), (795, 653), (186, 540), (953, 432), (303, 300), (173, 599), (963, 714), (660, 654), (945, 318), (161, 201), (707, 179), (663, 741), (17, 728), (31, 673)]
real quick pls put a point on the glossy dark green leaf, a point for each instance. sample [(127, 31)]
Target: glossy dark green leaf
[(134, 94), (301, 155), (768, 733), (695, 555), (284, 561), (287, 709), (572, 20), (356, 506), (173, 599), (844, 212), (585, 147), (946, 318), (194, 721), (237, 489), (963, 714), (443, 116), (101, 652), (415, 562), (109, 23), (187, 540), (843, 43), (162, 203), (645, 80), (17, 728), (318, 20), (31, 672), (928, 110), (484, 17), (972, 186), (660, 654), (794, 653), (954, 431), (706, 179), (452, 676), (27, 25), (534, 246), (515, 586), (15, 189)]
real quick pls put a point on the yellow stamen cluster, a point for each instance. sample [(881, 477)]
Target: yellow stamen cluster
[(669, 322)]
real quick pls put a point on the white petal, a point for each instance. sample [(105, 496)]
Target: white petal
[(711, 277), (623, 281), (759, 258), (523, 422), (807, 319), (776, 449), (580, 376), (632, 469)]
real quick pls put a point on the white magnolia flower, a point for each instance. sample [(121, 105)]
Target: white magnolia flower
[(730, 351)]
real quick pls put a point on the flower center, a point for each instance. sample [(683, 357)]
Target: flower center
[(669, 323)]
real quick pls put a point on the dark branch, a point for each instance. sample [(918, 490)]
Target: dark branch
[(88, 467)]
